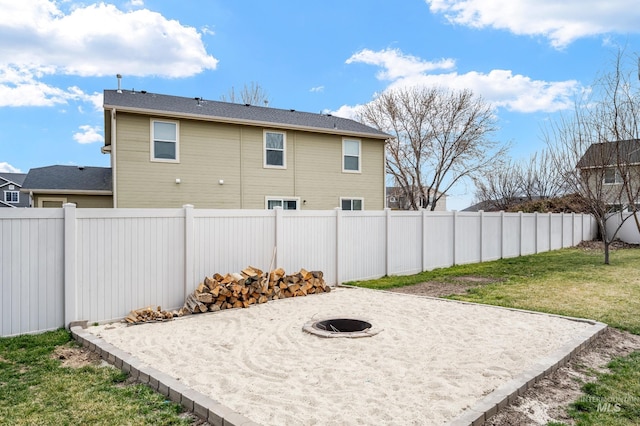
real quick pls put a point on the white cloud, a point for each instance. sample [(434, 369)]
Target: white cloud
[(206, 30), (8, 168), (499, 87), (88, 134), (39, 40), (317, 89), (346, 111), (20, 86), (136, 3), (395, 64), (98, 40), (562, 22)]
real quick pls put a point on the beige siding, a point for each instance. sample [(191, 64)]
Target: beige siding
[(81, 201), (319, 177), (210, 152)]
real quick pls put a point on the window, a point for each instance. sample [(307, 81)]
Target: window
[(11, 197), (351, 155), (351, 203), (164, 141), (614, 208), (612, 176), (275, 144), (285, 203)]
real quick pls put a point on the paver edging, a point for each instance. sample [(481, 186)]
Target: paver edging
[(219, 415), (201, 405), (506, 394)]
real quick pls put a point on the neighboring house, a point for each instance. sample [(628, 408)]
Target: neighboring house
[(52, 186), (10, 184), (605, 166), (397, 200), (167, 151)]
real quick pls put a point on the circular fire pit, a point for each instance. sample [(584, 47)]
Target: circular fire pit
[(340, 327)]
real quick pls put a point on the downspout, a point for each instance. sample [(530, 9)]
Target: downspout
[(114, 175)]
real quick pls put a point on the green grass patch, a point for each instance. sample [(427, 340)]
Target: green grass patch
[(37, 389), (614, 399)]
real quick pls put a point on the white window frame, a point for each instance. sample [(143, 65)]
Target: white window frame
[(153, 139), (264, 149), (17, 194), (352, 199), (344, 140), (282, 199), (617, 177)]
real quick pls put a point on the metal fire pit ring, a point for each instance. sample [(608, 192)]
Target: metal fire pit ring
[(341, 327)]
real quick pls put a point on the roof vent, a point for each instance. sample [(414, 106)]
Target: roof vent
[(198, 101), (143, 92), (247, 104), (119, 77), (80, 167)]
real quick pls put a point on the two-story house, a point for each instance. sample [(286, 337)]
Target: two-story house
[(10, 196), (167, 151), (611, 171)]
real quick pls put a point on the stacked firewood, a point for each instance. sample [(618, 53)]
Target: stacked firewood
[(251, 286), (238, 290), (148, 315)]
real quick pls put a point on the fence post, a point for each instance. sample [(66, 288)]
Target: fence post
[(520, 216), (70, 270), (562, 230), (338, 254), (388, 242), (424, 240), (481, 233), (535, 229), (573, 229), (501, 234), (188, 249), (453, 236), (279, 236)]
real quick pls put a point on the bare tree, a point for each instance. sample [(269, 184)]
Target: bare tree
[(538, 178), (252, 95), (515, 182), (440, 137), (597, 149), (501, 188)]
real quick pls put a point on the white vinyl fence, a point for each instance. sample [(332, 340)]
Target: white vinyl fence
[(63, 265), (628, 231)]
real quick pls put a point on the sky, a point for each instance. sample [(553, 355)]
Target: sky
[(529, 59)]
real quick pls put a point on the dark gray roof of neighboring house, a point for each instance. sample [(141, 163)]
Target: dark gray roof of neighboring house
[(607, 154), (236, 113), (16, 178), (68, 178)]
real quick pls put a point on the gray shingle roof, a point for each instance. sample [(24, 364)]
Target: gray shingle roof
[(607, 154), (70, 178), (16, 178), (236, 113)]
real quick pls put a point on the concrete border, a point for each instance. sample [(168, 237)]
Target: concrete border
[(202, 406), (506, 394)]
